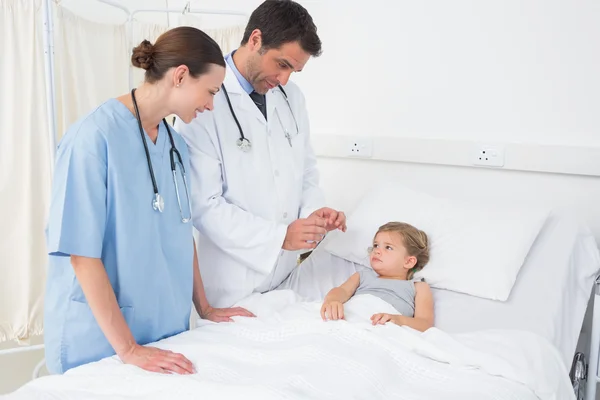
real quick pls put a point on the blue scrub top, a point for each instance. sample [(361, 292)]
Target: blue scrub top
[(101, 207)]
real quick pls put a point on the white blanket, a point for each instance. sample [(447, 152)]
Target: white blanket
[(288, 352)]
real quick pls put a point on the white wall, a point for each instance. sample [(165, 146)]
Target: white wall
[(460, 73), (517, 71), (345, 181)]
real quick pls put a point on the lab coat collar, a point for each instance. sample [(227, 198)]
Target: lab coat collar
[(231, 82), (242, 101)]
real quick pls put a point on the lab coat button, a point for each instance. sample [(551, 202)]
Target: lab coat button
[(276, 172), (284, 215)]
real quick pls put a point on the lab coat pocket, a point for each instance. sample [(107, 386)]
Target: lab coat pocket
[(83, 341)]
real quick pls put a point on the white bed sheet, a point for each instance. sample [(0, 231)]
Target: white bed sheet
[(288, 352), (549, 298)]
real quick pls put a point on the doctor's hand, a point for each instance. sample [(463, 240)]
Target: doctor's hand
[(335, 219), (224, 314), (158, 360), (305, 233)]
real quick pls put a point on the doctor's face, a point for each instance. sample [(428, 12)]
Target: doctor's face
[(197, 94), (267, 69)]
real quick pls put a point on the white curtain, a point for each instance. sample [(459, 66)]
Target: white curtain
[(24, 170), (228, 38), (91, 65)]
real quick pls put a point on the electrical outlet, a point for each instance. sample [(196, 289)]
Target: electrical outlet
[(360, 147), (489, 156)]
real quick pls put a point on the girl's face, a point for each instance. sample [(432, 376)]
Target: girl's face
[(389, 257)]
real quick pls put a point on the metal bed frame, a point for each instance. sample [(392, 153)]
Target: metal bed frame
[(589, 371), (584, 372)]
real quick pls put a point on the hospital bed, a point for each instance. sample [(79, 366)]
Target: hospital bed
[(550, 296), (479, 349)]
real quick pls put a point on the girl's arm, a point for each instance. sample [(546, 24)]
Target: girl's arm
[(344, 292), (423, 318), (333, 304)]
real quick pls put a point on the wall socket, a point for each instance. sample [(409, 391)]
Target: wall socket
[(489, 156), (360, 147)]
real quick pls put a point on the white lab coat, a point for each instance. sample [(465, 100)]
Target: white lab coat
[(243, 202)]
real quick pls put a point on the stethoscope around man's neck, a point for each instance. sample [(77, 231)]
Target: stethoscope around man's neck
[(243, 143)]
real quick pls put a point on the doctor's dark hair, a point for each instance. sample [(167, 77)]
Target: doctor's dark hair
[(281, 22), (183, 45), (415, 241)]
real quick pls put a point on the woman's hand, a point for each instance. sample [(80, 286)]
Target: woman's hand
[(158, 360), (332, 310), (224, 314), (382, 318)]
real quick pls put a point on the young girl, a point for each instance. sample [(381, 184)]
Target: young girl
[(399, 250)]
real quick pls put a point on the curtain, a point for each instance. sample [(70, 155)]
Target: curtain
[(90, 64), (228, 38), (24, 170)]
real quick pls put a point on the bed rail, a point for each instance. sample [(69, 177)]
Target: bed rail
[(592, 367)]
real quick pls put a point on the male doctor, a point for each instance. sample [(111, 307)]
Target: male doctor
[(255, 195)]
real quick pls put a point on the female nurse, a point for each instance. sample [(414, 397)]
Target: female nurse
[(123, 271)]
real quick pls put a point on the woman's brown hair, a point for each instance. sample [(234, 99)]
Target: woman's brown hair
[(183, 45)]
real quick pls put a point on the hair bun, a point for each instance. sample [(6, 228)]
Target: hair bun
[(143, 55)]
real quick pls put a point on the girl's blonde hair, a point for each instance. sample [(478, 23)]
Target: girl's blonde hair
[(415, 241)]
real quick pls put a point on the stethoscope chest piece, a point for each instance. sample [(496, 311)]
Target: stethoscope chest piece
[(244, 144), (158, 203)]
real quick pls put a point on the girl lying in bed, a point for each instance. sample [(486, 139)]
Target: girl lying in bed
[(399, 250)]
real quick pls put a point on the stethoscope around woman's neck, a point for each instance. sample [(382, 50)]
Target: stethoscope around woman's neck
[(158, 203), (243, 143)]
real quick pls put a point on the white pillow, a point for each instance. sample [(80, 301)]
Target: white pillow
[(475, 248)]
